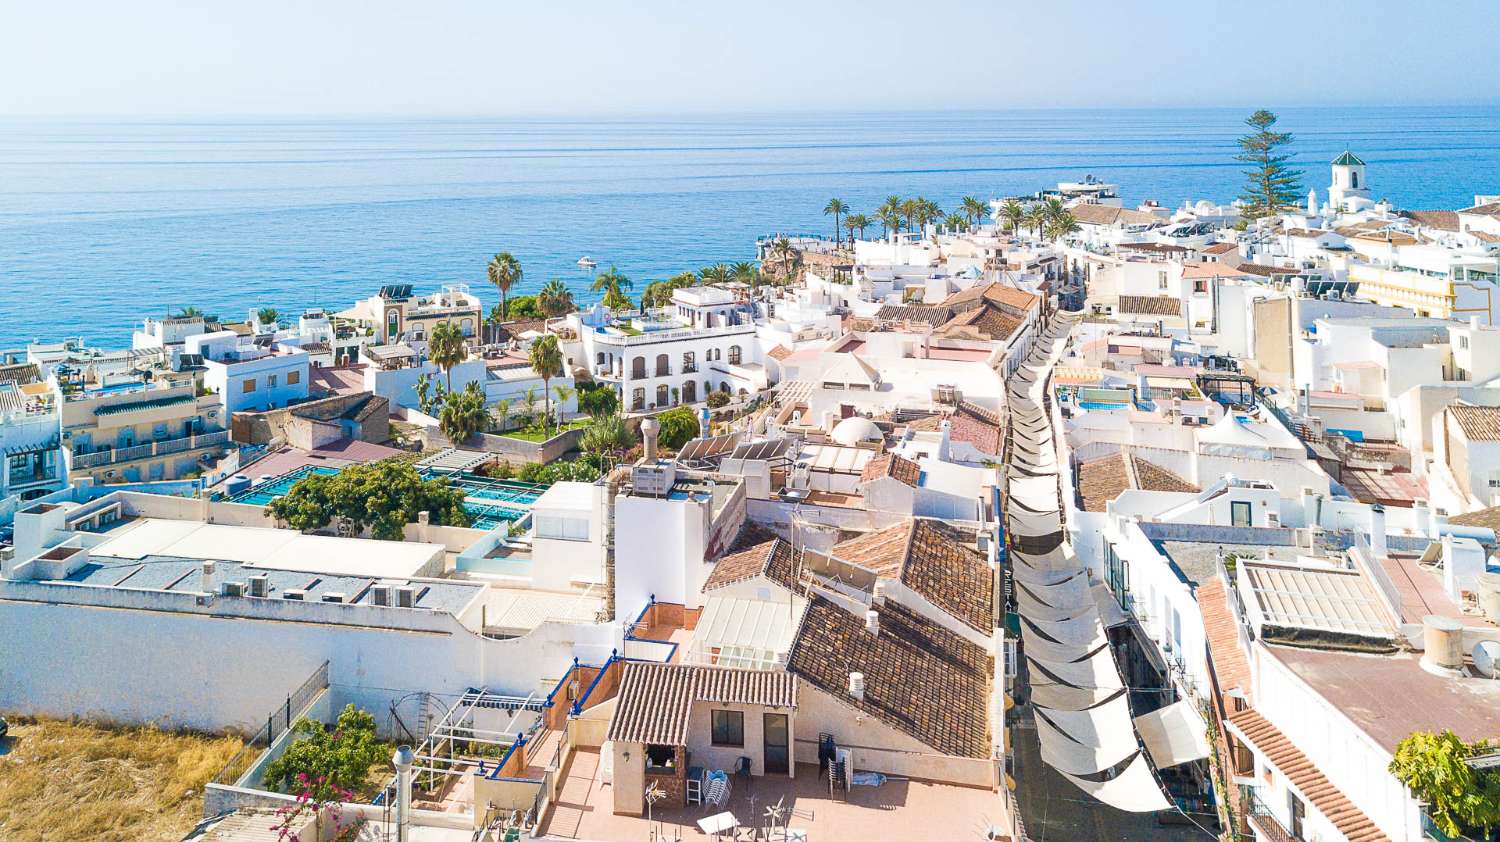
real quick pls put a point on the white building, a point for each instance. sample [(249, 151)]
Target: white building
[(251, 376), (30, 435)]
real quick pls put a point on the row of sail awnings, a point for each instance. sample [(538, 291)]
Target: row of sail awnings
[(1082, 705)]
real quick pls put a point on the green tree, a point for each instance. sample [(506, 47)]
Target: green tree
[(716, 400), (745, 272), (555, 299), (547, 361), (267, 316), (446, 348), (678, 427), (1270, 185), (1061, 225), (522, 307), (504, 272), (424, 393), (564, 394), (384, 496), (607, 434), (715, 274), (956, 222), (1461, 799), (1012, 215), (502, 414), (837, 208), (599, 402), (889, 214), (613, 285), (528, 397), (463, 413), (329, 759), (973, 209), (1036, 217), (189, 312)]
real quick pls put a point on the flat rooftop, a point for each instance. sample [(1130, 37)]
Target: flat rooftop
[(1390, 696), (184, 575), (280, 549)]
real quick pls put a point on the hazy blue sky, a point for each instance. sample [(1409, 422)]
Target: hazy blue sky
[(585, 57)]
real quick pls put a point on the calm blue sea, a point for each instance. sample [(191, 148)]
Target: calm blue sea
[(105, 222)]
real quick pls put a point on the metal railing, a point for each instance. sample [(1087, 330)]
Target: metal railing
[(159, 447), (278, 722)]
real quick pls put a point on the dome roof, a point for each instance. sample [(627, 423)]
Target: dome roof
[(853, 430)]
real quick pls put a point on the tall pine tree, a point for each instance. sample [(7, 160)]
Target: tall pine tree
[(1270, 185)]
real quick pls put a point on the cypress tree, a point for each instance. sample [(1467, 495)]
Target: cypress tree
[(1270, 185)]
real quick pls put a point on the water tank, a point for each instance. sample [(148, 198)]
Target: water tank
[(264, 478), (236, 485), (1442, 643), (1487, 585)]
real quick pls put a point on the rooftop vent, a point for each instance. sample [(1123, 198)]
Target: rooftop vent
[(260, 585), (406, 597), (332, 596), (232, 589), (857, 685), (294, 593), (872, 622), (380, 595)]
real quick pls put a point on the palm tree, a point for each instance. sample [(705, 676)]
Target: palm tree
[(856, 222), (502, 414), (974, 209), (956, 222), (446, 348), (1012, 215), (745, 271), (267, 316), (555, 298), (424, 389), (1036, 217), (504, 272), (613, 284), (529, 397), (547, 361), (607, 434), (715, 274), (564, 394), (1053, 209), (785, 256), (908, 211), (463, 413), (1063, 225), (837, 208), (189, 312)]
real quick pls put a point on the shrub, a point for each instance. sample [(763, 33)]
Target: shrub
[(337, 758), (678, 427), (599, 402), (716, 400), (384, 496), (1435, 767)]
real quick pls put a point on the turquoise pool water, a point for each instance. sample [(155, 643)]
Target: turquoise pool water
[(503, 501)]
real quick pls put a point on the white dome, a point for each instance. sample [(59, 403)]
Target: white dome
[(853, 430)]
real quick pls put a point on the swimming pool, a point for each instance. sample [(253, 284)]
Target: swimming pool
[(490, 503), (278, 487), (1099, 405)]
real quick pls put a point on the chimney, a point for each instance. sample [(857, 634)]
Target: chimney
[(872, 622), (650, 428), (878, 593), (944, 443), (857, 685), (1378, 548), (1442, 644), (207, 586), (403, 761)]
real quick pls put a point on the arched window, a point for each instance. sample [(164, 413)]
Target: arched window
[(689, 362), (638, 399), (638, 368), (663, 365), (724, 387), (734, 355), (661, 395), (466, 327), (1354, 179), (599, 358), (690, 392)]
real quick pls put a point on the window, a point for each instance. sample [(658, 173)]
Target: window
[(1200, 285), (660, 758), (1463, 341), (734, 355), (1161, 280), (248, 386), (728, 728), (1297, 811), (270, 381), (689, 362), (293, 378), (562, 528), (1239, 513)]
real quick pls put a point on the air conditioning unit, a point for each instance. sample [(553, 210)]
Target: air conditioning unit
[(232, 589), (332, 596), (294, 593), (260, 585), (380, 595), (406, 597)]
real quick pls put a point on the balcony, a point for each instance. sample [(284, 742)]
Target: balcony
[(1266, 823), (159, 447)]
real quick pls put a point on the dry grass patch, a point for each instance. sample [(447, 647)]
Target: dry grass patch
[(76, 780)]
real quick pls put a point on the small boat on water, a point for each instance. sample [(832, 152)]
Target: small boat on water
[(586, 262)]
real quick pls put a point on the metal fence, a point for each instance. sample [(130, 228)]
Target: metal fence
[(278, 721)]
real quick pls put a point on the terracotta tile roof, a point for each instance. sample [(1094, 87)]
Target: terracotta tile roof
[(1479, 423), (1304, 775), (1443, 220), (1230, 663), (977, 426), (1102, 480), (1397, 238), (1490, 209), (1486, 518), (1091, 214), (935, 561), (657, 699), (1149, 477), (1155, 248), (1263, 270), (929, 314), (919, 677), (774, 559), (902, 469), (982, 322), (1003, 295), (1306, 233), (1220, 248), (1150, 305), (780, 352), (22, 373)]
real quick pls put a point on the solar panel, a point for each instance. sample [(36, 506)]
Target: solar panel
[(396, 292)]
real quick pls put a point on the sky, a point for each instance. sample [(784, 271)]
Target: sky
[(582, 57)]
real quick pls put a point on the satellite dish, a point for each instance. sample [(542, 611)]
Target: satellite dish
[(1487, 658)]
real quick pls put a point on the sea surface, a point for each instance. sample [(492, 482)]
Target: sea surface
[(105, 222)]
